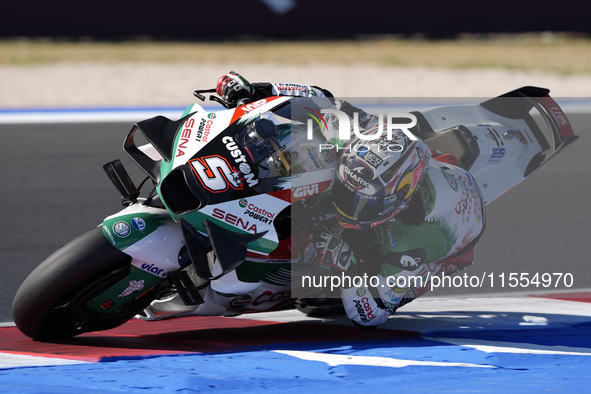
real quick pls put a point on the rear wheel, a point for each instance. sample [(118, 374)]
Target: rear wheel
[(50, 304), (318, 307)]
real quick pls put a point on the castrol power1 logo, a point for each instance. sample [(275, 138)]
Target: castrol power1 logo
[(364, 309), (255, 212), (362, 305), (205, 128), (191, 133)]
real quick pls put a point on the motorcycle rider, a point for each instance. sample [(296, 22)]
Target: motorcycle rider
[(232, 87), (405, 214)]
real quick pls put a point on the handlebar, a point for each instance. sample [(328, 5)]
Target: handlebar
[(199, 94)]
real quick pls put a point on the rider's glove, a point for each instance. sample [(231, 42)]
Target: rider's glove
[(233, 87), (332, 252)]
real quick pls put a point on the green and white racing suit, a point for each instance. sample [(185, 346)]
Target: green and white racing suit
[(435, 236)]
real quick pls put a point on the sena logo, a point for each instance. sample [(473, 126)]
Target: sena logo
[(184, 138), (234, 220)]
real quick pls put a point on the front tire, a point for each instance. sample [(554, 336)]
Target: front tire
[(50, 304)]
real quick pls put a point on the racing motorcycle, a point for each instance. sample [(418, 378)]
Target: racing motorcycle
[(218, 223)]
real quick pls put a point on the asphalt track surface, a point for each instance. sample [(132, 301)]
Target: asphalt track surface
[(54, 189), (435, 345)]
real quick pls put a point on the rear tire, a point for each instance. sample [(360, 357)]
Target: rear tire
[(50, 304), (319, 307)]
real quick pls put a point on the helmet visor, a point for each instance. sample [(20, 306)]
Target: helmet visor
[(357, 210)]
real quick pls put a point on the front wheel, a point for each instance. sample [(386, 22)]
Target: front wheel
[(51, 302)]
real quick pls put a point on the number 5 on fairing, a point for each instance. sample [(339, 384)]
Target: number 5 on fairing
[(215, 173)]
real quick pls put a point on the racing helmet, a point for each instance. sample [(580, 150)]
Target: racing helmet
[(376, 179)]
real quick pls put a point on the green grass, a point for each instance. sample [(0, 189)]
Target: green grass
[(550, 53)]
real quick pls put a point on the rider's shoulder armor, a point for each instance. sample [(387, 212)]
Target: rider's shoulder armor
[(452, 210)]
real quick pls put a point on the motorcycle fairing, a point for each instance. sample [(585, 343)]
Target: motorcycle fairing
[(202, 127), (160, 132), (560, 132), (502, 140), (153, 241), (246, 216), (214, 176), (148, 235)]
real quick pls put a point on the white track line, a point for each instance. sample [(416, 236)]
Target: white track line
[(344, 359), (100, 115)]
